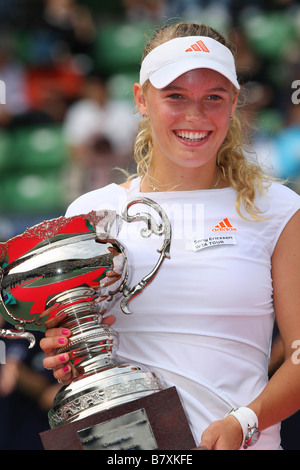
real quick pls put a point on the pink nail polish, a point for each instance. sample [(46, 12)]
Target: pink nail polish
[(62, 340), (64, 332), (62, 358), (66, 369)]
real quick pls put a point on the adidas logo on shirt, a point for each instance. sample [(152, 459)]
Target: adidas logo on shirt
[(224, 226)]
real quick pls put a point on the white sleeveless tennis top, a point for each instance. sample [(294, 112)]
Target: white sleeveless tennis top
[(205, 322)]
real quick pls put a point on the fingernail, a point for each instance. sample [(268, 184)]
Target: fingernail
[(66, 369), (62, 358), (62, 340), (65, 332)]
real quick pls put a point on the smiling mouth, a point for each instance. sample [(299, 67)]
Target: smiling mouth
[(193, 137)]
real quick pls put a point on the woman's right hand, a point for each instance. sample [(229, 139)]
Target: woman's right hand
[(57, 337), (54, 339)]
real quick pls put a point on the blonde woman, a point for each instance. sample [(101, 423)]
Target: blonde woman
[(205, 323)]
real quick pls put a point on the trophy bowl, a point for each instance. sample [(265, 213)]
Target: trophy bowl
[(76, 266)]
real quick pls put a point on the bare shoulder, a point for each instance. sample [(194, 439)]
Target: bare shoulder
[(288, 237)]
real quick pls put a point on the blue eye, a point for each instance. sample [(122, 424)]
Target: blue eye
[(214, 97), (175, 96)]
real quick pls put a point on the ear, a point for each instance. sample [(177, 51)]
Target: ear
[(140, 98)]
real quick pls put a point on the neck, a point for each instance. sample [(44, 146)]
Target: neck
[(153, 182)]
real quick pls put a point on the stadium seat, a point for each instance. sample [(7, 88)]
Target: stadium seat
[(39, 147), (32, 192), (269, 33), (5, 150), (269, 121), (120, 86), (118, 47)]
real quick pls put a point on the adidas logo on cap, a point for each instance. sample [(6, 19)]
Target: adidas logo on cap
[(198, 46)]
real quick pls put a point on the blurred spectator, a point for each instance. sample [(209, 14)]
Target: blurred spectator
[(249, 64), (15, 12), (287, 145), (6, 230), (51, 108), (149, 10), (99, 132), (6, 10), (48, 87), (14, 74), (187, 7), (27, 391), (65, 31), (34, 95), (57, 51)]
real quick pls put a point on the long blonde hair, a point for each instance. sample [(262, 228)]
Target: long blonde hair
[(244, 176)]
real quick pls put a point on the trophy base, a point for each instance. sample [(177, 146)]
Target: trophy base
[(156, 421), (96, 392)]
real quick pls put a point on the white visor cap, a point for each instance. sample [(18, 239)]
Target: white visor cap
[(173, 58)]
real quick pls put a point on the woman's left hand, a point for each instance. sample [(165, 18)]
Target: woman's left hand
[(225, 434)]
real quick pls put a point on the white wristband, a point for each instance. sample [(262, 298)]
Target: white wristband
[(246, 417)]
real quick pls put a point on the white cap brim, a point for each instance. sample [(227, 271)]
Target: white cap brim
[(170, 60), (167, 74)]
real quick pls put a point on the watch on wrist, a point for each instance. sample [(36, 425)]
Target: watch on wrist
[(251, 436), (249, 424)]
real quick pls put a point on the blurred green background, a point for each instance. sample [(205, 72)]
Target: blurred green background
[(69, 117)]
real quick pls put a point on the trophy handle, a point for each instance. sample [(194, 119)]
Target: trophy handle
[(164, 228), (19, 333)]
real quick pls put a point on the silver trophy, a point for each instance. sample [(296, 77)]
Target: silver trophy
[(76, 266)]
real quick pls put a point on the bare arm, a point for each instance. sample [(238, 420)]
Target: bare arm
[(281, 397)]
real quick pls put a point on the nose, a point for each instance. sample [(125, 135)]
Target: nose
[(196, 111)]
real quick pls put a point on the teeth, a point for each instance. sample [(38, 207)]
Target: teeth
[(193, 136)]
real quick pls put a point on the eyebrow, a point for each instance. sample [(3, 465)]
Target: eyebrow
[(220, 89), (173, 87), (210, 90)]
